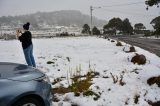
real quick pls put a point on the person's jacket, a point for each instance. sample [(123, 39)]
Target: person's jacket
[(26, 39)]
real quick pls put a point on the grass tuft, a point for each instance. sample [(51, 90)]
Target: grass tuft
[(50, 62)]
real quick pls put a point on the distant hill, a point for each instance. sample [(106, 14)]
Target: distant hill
[(62, 18)]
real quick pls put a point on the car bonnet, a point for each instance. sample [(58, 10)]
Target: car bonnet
[(18, 72)]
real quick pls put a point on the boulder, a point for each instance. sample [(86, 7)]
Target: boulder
[(132, 49), (112, 41), (119, 44), (128, 49), (139, 59), (154, 80)]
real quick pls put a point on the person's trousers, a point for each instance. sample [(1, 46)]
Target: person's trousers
[(28, 53)]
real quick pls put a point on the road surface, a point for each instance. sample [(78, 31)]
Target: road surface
[(152, 45)]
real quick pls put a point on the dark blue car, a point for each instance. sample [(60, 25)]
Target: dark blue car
[(21, 85)]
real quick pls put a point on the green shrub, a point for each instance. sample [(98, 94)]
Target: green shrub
[(91, 93), (81, 84)]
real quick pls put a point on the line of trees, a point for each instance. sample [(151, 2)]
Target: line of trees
[(152, 2), (86, 30), (116, 26), (156, 25), (139, 28)]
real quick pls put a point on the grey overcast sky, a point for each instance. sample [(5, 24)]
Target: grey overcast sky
[(110, 8)]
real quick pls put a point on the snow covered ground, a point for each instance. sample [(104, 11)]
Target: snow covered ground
[(99, 54)]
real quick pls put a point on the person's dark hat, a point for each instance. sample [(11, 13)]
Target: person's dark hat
[(26, 26)]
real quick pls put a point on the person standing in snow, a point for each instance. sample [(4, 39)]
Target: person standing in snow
[(26, 40)]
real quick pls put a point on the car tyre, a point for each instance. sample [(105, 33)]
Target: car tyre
[(28, 102)]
